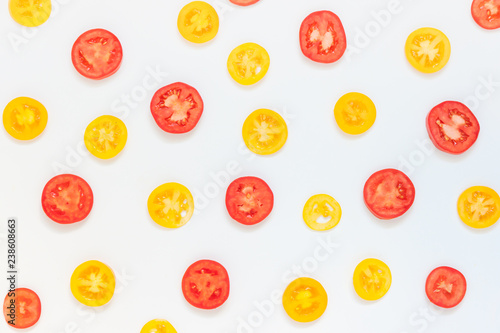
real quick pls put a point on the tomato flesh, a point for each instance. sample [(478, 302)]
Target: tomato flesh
[(22, 308), (249, 200), (67, 199), (445, 287), (205, 284), (452, 127), (177, 108), (97, 54), (322, 37), (486, 13), (388, 193)]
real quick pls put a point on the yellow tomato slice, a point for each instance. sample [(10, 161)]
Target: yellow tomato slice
[(93, 283), (372, 279), (171, 205), (24, 118), (30, 13), (321, 212), (428, 50), (264, 132), (355, 113), (305, 300), (105, 137), (248, 63), (479, 207), (198, 22), (158, 326)]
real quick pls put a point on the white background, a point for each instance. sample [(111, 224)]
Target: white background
[(318, 158)]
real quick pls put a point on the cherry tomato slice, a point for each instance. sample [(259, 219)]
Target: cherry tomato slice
[(479, 207), (445, 287), (388, 193), (355, 113), (452, 127), (486, 13), (105, 137), (67, 199), (428, 50), (264, 132), (30, 13), (322, 37), (372, 279), (171, 205), (93, 283), (244, 2), (305, 300), (321, 212), (198, 22), (205, 284), (248, 63), (158, 326), (249, 200), (97, 54), (22, 308), (25, 118), (177, 108)]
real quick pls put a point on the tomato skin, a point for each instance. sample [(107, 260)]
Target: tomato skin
[(249, 200), (317, 24), (244, 2), (67, 199), (388, 181), (447, 111), (30, 308), (205, 284), (178, 96), (85, 48), (445, 287), (486, 13)]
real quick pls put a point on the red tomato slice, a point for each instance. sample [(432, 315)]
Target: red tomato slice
[(67, 199), (22, 308), (452, 127), (244, 2), (177, 108), (445, 287), (249, 200), (486, 13), (322, 37), (388, 193), (97, 54), (205, 284)]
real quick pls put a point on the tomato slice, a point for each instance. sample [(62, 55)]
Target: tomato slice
[(322, 37), (97, 54), (93, 283), (25, 118), (264, 132), (248, 63), (486, 13), (67, 199), (30, 13), (249, 200), (355, 113), (198, 22), (205, 284), (244, 2), (372, 279), (305, 300), (479, 207), (428, 50), (158, 326), (321, 212), (388, 193), (452, 127), (177, 108), (22, 308), (445, 287), (171, 205), (105, 137)]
